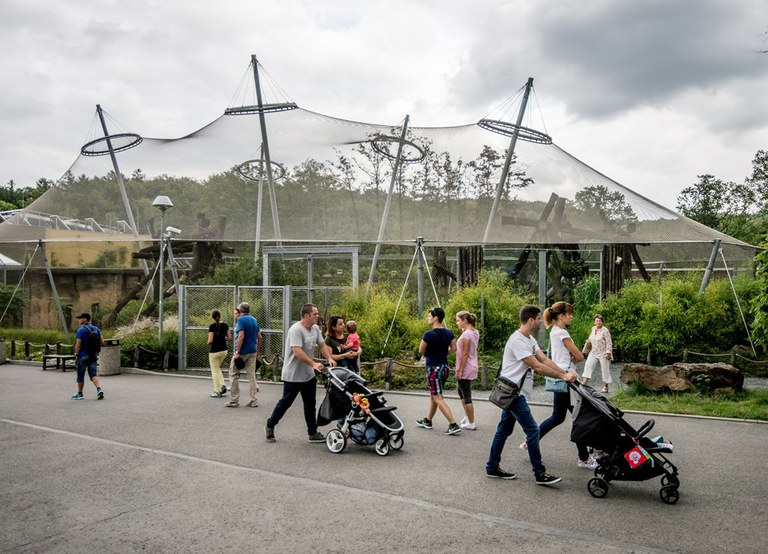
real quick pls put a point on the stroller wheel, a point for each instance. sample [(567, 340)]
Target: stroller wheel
[(381, 447), (335, 441), (669, 494), (597, 487), (670, 480), (396, 441)]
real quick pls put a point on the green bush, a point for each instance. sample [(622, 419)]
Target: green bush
[(670, 315), (502, 308), (12, 302), (374, 317)]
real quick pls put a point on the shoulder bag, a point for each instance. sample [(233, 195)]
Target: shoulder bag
[(505, 392)]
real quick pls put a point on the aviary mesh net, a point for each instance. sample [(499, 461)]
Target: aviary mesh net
[(330, 184)]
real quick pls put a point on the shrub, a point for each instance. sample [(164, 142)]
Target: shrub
[(502, 308), (12, 302), (374, 317)]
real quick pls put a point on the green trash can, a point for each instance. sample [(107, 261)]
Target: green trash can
[(109, 358)]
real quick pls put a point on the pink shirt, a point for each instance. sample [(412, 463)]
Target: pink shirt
[(353, 340), (468, 342)]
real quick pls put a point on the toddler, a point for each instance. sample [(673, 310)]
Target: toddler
[(353, 343)]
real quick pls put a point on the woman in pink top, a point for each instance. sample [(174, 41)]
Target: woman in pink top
[(466, 365)]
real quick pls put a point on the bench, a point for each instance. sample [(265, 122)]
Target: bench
[(60, 359)]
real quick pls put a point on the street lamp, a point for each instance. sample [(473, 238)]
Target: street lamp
[(162, 203)]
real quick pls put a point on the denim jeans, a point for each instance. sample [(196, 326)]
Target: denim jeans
[(308, 391), (520, 412), (561, 405)]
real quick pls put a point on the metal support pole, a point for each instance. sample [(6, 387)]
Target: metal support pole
[(56, 298), (161, 292), (265, 150), (121, 186), (257, 236), (507, 161), (710, 266), (542, 289), (420, 274), (387, 204), (310, 266)]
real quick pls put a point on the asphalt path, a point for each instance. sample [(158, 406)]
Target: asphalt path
[(158, 466)]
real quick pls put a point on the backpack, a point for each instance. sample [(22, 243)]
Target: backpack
[(93, 344)]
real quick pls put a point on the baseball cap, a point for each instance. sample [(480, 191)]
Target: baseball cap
[(86, 315)]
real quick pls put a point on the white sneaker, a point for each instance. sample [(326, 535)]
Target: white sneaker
[(589, 464), (464, 420), (524, 448), (468, 425)]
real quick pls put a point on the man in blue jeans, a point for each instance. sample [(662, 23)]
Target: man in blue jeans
[(521, 355)]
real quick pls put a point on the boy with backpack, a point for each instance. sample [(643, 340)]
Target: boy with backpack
[(87, 348)]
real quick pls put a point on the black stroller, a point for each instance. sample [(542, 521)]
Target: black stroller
[(367, 419), (626, 454)]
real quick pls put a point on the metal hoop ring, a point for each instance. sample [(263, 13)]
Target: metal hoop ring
[(249, 170), (265, 108), (507, 129), (125, 141), (377, 142)]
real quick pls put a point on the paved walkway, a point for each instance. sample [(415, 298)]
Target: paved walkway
[(159, 467)]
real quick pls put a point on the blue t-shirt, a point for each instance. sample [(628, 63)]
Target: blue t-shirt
[(82, 334), (438, 342), (248, 324)]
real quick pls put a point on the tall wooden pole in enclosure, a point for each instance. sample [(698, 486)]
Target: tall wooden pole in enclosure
[(507, 161), (387, 204), (265, 150), (121, 185)]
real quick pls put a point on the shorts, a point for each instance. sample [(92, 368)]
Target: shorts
[(464, 387), (89, 364), (436, 377)]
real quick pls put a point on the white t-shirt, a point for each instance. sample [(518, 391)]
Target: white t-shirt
[(558, 351), (294, 370), (513, 368)]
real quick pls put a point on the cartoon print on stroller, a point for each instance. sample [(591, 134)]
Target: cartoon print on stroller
[(628, 455), (363, 415)]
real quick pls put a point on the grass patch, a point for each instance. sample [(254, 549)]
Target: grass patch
[(747, 404)]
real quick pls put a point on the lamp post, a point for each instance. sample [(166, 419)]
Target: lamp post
[(162, 203)]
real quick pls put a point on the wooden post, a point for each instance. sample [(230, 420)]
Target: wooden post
[(388, 373), (27, 355)]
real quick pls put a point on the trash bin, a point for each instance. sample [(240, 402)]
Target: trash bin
[(109, 358)]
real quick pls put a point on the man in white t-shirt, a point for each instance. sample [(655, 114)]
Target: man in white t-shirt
[(521, 355), (299, 372)]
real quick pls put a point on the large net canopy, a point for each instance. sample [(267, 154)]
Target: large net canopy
[(275, 173)]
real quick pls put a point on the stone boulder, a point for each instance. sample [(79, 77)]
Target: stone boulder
[(683, 376)]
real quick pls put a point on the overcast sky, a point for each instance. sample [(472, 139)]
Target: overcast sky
[(651, 93)]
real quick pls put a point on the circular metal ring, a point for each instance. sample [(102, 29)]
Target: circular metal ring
[(507, 129), (120, 142), (249, 170), (264, 108), (378, 141)]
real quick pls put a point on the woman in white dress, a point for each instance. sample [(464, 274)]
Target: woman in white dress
[(602, 352)]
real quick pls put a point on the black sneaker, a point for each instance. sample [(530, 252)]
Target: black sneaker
[(547, 479), (317, 437), (426, 423), (99, 394), (223, 390), (270, 434), (453, 428), (499, 473)]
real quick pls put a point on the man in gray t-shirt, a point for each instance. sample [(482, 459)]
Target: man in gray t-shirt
[(299, 372)]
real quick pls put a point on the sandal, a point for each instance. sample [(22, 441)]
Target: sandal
[(605, 389)]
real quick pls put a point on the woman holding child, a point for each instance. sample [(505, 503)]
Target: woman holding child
[(336, 339)]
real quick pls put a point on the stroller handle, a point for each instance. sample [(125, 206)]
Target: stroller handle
[(645, 429)]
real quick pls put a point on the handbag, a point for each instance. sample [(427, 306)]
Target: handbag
[(587, 347), (553, 384), (504, 393)]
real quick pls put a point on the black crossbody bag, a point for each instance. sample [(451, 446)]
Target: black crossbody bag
[(505, 392)]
